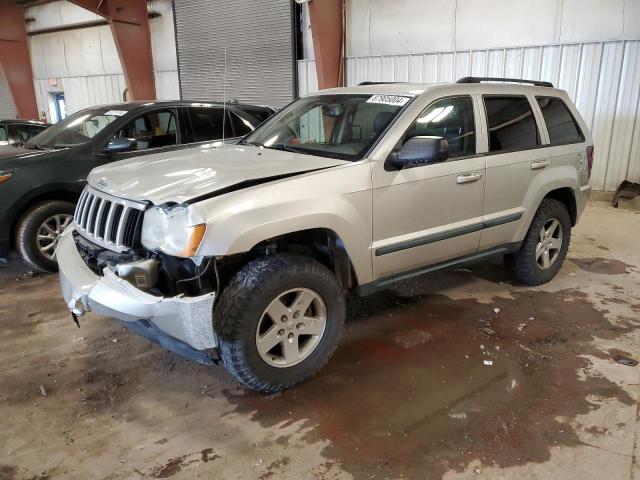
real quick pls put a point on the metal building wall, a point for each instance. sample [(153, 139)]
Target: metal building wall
[(84, 64), (7, 108), (257, 36)]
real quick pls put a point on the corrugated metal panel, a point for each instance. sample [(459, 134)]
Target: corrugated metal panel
[(7, 108), (307, 77), (167, 85), (259, 50), (80, 92), (603, 79)]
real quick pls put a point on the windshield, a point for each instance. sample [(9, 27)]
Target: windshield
[(76, 129), (343, 126)]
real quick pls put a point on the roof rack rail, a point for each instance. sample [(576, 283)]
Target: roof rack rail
[(377, 83), (537, 83)]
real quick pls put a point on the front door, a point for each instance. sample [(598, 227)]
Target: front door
[(431, 213), (153, 131)]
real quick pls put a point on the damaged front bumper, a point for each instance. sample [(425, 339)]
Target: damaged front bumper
[(188, 319)]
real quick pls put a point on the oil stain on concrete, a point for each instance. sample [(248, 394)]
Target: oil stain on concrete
[(604, 266)]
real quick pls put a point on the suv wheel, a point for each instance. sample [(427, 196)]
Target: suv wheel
[(278, 321), (545, 246), (38, 233)]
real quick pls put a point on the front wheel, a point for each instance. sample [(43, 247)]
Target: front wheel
[(279, 321), (545, 247), (39, 231)]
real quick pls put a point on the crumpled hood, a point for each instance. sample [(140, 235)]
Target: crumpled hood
[(183, 175)]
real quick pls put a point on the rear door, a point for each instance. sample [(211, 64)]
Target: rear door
[(515, 156), (431, 213)]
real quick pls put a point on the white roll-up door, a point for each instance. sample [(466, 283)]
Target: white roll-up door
[(259, 41)]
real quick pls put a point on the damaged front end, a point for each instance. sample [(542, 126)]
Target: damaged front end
[(168, 300)]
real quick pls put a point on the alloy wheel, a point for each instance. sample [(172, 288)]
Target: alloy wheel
[(291, 327), (549, 243), (49, 232)]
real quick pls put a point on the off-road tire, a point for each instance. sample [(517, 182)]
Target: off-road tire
[(522, 264), (28, 228), (242, 303)]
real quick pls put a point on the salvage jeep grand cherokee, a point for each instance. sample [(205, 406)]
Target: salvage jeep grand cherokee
[(244, 253)]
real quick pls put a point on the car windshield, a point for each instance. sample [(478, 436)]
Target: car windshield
[(76, 129), (343, 126)]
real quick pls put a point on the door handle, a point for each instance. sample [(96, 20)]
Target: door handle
[(469, 177), (539, 164)]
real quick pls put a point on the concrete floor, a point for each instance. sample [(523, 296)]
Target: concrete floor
[(407, 395)]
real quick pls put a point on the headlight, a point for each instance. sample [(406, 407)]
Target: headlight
[(172, 231), (5, 175)]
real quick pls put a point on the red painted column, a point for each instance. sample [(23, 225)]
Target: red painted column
[(15, 60), (327, 30), (129, 23)]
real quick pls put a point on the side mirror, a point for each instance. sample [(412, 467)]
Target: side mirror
[(117, 145), (421, 150)]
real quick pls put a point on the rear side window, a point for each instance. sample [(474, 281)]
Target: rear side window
[(208, 124), (512, 125), (561, 125), (260, 113), (3, 134), (240, 126)]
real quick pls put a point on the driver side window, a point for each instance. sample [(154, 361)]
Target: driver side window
[(151, 130), (449, 118)]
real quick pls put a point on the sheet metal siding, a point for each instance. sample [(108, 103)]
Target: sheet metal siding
[(257, 36), (81, 92), (603, 79), (7, 108), (167, 85)]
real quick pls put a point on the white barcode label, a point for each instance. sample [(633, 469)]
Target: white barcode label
[(396, 100)]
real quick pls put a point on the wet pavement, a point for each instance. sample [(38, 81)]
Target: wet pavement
[(457, 375)]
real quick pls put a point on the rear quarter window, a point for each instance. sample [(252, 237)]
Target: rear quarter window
[(561, 125)]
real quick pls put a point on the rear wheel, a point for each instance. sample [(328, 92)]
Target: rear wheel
[(279, 321), (545, 247), (39, 231)]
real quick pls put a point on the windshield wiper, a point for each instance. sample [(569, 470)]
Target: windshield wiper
[(35, 147), (282, 146), (255, 144)]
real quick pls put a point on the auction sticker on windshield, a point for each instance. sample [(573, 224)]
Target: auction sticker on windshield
[(116, 113), (395, 100)]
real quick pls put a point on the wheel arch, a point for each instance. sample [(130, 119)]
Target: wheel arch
[(567, 196), (60, 192), (322, 244)]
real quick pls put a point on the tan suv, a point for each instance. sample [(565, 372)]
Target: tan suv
[(244, 253)]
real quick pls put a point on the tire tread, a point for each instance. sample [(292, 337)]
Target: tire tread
[(236, 299)]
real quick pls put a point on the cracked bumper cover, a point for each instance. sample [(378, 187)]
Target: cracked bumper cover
[(188, 319)]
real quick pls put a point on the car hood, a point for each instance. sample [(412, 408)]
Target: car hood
[(8, 152), (190, 174)]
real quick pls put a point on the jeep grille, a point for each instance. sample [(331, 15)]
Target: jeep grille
[(111, 222)]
